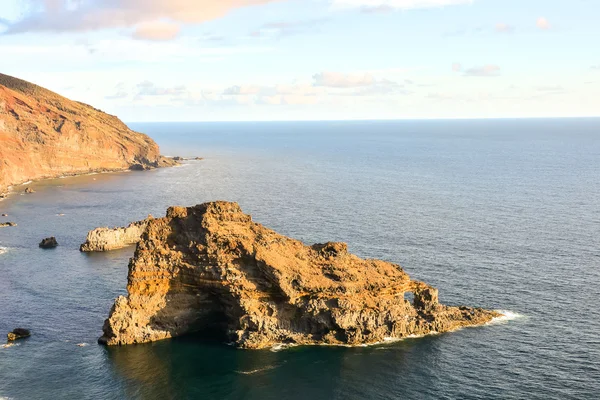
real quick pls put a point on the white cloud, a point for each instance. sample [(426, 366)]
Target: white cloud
[(484, 71), (504, 28), (66, 15), (543, 24), (156, 30), (340, 80), (385, 5)]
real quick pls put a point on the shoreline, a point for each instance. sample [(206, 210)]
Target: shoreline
[(8, 191), (505, 317)]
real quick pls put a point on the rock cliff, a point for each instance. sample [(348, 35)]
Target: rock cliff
[(44, 135), (106, 239), (211, 265)]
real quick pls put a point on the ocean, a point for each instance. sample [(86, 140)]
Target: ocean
[(501, 214)]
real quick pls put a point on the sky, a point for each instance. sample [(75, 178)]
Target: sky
[(254, 60)]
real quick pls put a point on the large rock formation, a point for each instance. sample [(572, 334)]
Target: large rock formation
[(212, 265), (44, 135), (106, 239)]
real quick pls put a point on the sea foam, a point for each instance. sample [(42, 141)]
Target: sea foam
[(254, 371), (505, 317)]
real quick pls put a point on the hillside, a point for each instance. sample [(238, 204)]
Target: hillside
[(45, 135)]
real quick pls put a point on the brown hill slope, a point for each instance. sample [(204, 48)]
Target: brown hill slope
[(45, 135)]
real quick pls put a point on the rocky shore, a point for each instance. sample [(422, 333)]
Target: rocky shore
[(211, 266), (44, 135), (106, 239)]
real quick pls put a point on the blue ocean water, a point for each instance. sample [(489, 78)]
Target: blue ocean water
[(502, 214)]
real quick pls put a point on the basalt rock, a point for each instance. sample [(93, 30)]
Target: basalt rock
[(44, 135), (49, 243), (106, 239), (212, 266), (17, 334)]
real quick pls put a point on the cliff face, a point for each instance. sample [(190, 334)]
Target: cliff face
[(44, 135), (211, 265), (106, 239)]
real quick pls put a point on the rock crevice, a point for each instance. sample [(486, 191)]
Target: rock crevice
[(211, 265)]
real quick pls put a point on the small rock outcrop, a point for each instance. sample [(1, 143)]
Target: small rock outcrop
[(106, 239), (49, 243), (212, 266), (7, 224), (17, 334), (28, 190)]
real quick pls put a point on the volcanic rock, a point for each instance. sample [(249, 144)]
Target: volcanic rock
[(212, 266), (17, 334), (44, 135), (49, 243), (106, 239), (7, 224)]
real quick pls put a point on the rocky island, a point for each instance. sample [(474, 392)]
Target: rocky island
[(211, 265), (45, 135), (106, 239)]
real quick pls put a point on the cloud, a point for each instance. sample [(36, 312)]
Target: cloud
[(504, 28), (274, 90), (287, 28), (596, 67), (157, 30), (242, 90), (484, 71), (381, 88), (287, 100), (543, 24), (381, 9), (457, 67), (551, 89), (389, 5), (340, 80), (148, 88), (68, 15)]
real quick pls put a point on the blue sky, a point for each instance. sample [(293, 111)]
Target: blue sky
[(206, 60)]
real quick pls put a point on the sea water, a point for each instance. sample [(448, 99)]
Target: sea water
[(501, 214)]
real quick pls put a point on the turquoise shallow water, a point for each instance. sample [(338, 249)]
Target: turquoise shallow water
[(498, 214)]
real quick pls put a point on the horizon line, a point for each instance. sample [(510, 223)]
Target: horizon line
[(369, 119)]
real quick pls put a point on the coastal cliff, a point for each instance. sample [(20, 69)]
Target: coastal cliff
[(44, 135), (212, 266), (106, 239)]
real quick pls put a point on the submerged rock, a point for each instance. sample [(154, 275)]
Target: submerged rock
[(7, 224), (212, 266), (49, 243), (106, 239), (29, 190), (17, 334)]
